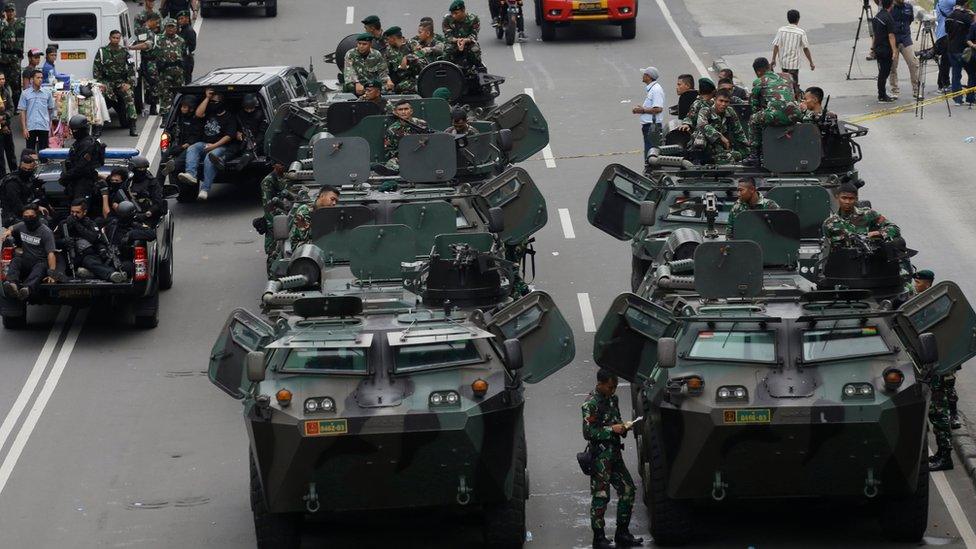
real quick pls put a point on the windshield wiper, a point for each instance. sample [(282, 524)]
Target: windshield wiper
[(732, 329), (829, 333)]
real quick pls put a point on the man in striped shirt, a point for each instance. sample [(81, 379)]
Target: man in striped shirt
[(787, 45)]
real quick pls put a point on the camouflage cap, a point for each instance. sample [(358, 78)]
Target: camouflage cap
[(169, 22), (10, 6), (456, 5), (364, 37), (442, 93), (393, 31), (924, 274), (371, 20), (152, 15)]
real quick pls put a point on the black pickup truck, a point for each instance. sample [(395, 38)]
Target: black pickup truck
[(274, 86), (153, 260)]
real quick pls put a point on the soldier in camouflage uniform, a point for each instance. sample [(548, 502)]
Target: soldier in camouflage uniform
[(149, 9), (170, 56), (773, 103), (372, 27), (12, 48), (427, 44), (603, 430), (851, 220), (300, 228), (402, 124), (118, 78), (274, 197), (718, 128), (404, 66), (749, 199), (373, 94), (706, 91), (461, 34), (146, 39), (362, 64)]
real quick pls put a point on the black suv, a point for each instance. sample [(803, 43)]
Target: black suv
[(270, 6), (274, 87)]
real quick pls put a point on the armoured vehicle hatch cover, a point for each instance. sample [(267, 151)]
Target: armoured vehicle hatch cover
[(522, 204), (733, 268), (343, 116), (340, 161), (441, 74), (535, 320), (331, 227), (810, 203), (339, 55), (792, 149), (944, 311), (530, 130), (427, 158), (427, 220), (777, 232), (376, 251)]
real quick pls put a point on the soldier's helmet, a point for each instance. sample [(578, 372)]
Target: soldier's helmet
[(139, 162), (249, 101), (126, 210), (169, 22), (78, 123)]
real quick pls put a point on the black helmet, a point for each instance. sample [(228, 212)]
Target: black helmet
[(139, 162), (126, 210), (250, 100), (78, 122), (190, 101)]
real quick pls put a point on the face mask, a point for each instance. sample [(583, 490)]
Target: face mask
[(27, 172), (214, 107), (32, 223)]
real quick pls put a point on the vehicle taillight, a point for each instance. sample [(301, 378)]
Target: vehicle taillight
[(164, 141), (5, 259), (141, 264)]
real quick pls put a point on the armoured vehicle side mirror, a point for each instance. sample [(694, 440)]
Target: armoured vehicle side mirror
[(667, 352), (928, 348), (255, 366), (513, 354), (505, 140), (170, 190), (279, 227), (647, 213), (496, 220)]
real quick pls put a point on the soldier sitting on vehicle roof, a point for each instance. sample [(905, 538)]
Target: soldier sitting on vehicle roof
[(427, 43), (363, 64), (461, 33), (404, 65), (850, 220), (718, 130), (300, 226), (403, 123), (706, 90), (459, 123), (749, 199), (373, 94), (812, 107)]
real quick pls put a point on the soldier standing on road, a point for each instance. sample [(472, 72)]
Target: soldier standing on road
[(461, 34), (427, 44), (8, 110), (404, 65), (148, 11), (117, 77), (12, 47), (719, 129), (749, 199), (372, 27), (274, 201), (852, 220), (603, 429), (190, 37), (773, 102), (173, 8), (301, 220), (147, 38), (171, 50), (651, 111), (362, 64), (403, 123)]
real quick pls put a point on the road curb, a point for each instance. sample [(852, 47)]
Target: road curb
[(965, 446)]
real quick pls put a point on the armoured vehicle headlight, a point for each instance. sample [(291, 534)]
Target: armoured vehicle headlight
[(724, 393), (319, 404), (858, 391), (327, 405), (732, 392), (452, 398), (311, 405), (436, 399), (443, 399), (740, 392)]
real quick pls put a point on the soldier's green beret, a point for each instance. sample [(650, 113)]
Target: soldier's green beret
[(10, 6), (152, 15), (364, 37), (169, 22), (184, 13), (456, 5), (393, 31), (706, 82), (442, 93), (373, 84), (371, 20), (924, 274)]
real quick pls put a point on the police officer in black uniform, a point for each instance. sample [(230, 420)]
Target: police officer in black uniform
[(20, 187), (251, 125), (80, 175), (146, 192), (123, 230)]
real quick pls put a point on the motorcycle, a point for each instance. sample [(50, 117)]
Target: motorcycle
[(508, 20)]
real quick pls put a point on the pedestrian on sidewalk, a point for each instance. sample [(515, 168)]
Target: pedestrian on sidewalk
[(942, 10), (652, 111), (904, 13), (958, 24), (787, 44), (884, 48), (36, 108)]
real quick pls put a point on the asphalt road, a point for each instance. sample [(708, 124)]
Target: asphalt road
[(113, 437)]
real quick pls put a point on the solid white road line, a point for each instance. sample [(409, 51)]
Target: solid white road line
[(564, 218), (34, 377), (702, 71), (517, 50), (589, 325), (7, 467), (955, 509), (546, 152)]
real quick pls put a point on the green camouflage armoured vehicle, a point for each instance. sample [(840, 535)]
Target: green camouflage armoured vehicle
[(754, 386), (400, 387)]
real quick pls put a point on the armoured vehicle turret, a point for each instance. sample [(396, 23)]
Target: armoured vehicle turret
[(400, 386), (756, 385)]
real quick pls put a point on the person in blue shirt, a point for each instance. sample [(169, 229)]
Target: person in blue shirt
[(36, 108), (942, 10), (50, 56)]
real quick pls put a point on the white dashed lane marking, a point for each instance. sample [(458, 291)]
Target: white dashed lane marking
[(546, 152), (517, 50), (589, 325), (567, 223), (350, 10)]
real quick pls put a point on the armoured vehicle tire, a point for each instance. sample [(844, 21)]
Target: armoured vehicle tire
[(271, 9), (273, 530), (504, 526), (904, 518), (671, 520), (548, 31), (15, 322), (628, 29), (147, 311)]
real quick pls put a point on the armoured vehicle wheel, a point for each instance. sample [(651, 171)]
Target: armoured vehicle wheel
[(15, 322), (505, 523), (904, 518), (271, 9), (273, 530), (548, 31), (671, 520), (628, 29)]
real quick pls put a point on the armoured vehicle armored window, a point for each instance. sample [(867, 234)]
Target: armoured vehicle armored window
[(753, 388)]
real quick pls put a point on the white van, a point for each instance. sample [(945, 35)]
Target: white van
[(78, 28)]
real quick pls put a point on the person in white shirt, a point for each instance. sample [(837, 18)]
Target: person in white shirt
[(787, 45), (652, 111)]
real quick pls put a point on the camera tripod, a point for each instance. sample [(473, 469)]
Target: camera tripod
[(865, 11), (926, 43)]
